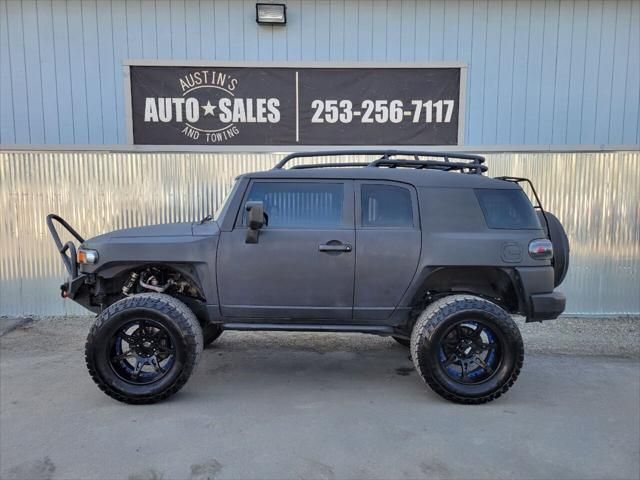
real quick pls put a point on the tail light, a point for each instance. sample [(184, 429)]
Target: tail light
[(541, 249)]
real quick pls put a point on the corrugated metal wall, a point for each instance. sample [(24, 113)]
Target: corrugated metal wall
[(594, 194), (540, 72)]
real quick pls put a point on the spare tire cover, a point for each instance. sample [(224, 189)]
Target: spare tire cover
[(560, 242)]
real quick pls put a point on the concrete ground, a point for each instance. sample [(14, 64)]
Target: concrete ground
[(324, 406)]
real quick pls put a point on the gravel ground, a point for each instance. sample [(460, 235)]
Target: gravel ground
[(323, 406)]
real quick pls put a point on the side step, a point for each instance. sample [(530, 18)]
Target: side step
[(384, 330)]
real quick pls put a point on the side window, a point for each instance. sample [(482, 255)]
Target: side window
[(507, 209), (298, 205), (385, 206)]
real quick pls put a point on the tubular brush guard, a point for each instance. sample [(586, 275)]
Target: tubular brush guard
[(69, 260)]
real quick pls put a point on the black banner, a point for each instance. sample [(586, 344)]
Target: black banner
[(294, 106)]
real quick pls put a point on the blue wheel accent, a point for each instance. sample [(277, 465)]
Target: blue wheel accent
[(469, 352), (142, 352)]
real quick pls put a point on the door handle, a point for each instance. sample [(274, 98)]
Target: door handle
[(340, 247)]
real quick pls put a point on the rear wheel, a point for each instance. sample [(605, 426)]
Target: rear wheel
[(143, 348), (467, 349)]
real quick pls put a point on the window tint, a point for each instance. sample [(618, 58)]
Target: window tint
[(302, 204), (509, 209), (385, 206)]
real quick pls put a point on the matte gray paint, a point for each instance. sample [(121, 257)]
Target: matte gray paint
[(309, 284), (178, 243), (284, 278), (456, 234), (386, 261)]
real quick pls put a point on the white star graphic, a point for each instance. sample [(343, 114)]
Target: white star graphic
[(208, 108)]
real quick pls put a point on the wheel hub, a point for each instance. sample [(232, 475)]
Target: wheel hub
[(145, 348), (469, 352), (465, 348), (142, 352), (143, 345)]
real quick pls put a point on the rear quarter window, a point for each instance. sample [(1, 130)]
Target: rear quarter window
[(507, 209)]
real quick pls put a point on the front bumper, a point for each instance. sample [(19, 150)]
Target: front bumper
[(546, 306), (70, 288)]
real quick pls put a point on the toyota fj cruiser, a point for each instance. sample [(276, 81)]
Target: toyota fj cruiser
[(419, 246)]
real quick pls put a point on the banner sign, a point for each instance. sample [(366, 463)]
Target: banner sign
[(277, 106)]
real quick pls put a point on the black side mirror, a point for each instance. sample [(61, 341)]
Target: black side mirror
[(255, 220)]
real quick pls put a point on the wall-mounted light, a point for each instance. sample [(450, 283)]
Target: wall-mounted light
[(271, 13)]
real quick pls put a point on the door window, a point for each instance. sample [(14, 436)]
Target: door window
[(385, 206), (300, 205)]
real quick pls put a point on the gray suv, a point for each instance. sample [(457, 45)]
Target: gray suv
[(419, 246)]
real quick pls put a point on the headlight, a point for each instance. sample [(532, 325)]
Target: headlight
[(87, 256)]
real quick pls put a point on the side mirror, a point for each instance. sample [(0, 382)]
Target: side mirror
[(255, 220)]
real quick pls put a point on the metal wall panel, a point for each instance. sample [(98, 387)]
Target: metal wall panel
[(539, 72), (595, 195)]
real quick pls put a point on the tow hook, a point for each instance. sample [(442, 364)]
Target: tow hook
[(64, 290)]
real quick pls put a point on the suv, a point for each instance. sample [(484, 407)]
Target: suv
[(419, 246)]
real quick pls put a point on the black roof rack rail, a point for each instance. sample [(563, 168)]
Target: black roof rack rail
[(475, 163), (330, 165)]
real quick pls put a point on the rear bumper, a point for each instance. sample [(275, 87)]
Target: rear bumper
[(538, 299), (546, 306)]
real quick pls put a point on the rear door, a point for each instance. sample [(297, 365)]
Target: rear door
[(302, 268), (388, 241)]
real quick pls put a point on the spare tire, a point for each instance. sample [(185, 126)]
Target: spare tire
[(555, 231)]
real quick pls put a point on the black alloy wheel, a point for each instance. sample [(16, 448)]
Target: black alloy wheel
[(467, 349), (142, 351), (470, 352), (143, 348)]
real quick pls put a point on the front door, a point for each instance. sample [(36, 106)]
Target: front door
[(302, 267)]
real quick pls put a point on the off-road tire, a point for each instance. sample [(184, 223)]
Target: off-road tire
[(432, 325), (405, 342), (169, 311), (210, 333)]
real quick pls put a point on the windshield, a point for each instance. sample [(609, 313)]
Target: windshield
[(225, 203)]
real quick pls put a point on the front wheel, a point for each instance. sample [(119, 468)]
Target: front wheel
[(467, 349), (143, 348)]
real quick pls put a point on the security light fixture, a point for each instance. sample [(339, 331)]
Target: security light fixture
[(271, 13)]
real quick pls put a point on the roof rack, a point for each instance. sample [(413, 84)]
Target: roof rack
[(388, 158), (330, 165)]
